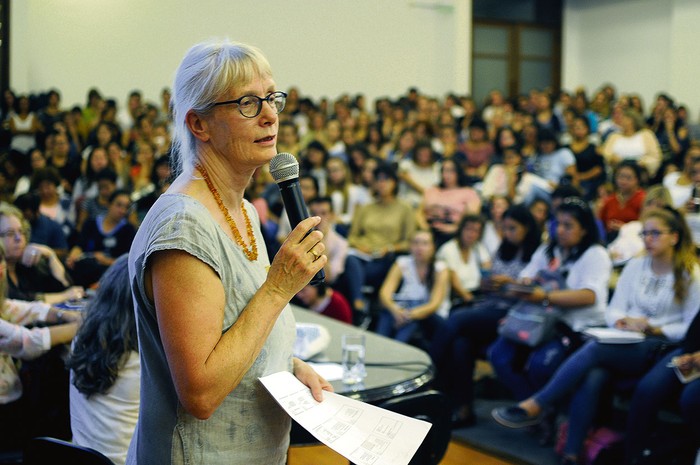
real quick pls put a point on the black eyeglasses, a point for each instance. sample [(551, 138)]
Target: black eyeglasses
[(251, 105), (652, 233)]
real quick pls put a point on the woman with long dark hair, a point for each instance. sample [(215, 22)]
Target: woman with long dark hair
[(105, 368), (582, 266), (467, 333), (656, 295)]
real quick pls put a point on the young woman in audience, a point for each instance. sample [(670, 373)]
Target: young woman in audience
[(466, 334), (54, 202), (553, 163), (417, 173), (575, 256), (656, 295), (101, 241), (634, 142), (313, 162), (625, 203), (345, 194), (466, 258), (17, 342), (590, 165), (478, 150), (379, 231), (141, 183), (680, 182), (105, 368), (443, 205), (34, 271), (414, 292), (85, 186), (24, 127), (493, 228), (629, 243), (511, 179)]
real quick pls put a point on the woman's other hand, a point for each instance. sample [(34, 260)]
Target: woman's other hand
[(311, 379)]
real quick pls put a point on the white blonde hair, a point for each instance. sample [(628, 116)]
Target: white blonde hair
[(206, 73)]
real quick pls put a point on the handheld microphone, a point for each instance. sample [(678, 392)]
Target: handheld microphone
[(284, 169)]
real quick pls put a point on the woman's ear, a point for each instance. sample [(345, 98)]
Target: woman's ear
[(197, 125)]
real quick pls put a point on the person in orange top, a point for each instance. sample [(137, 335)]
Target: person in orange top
[(625, 203)]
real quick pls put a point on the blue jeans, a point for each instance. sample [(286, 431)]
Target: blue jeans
[(459, 343), (653, 392), (387, 327), (358, 272), (586, 373), (523, 369)]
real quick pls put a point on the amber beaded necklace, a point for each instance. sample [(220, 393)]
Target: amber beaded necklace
[(250, 252)]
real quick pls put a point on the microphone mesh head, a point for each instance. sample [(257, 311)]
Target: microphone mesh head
[(284, 166)]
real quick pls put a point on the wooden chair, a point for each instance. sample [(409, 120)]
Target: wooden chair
[(49, 451)]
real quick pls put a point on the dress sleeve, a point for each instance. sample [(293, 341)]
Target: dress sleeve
[(20, 342)]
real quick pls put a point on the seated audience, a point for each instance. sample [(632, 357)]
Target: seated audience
[(17, 342), (625, 203), (443, 205), (680, 183), (85, 186), (656, 295), (634, 142), (478, 150), (44, 230), (105, 368), (555, 164), (54, 203), (379, 231), (466, 258), (345, 194), (662, 387), (466, 334), (629, 243), (34, 271), (106, 181), (414, 294), (575, 257), (493, 228), (101, 241), (512, 180), (324, 300), (590, 165), (418, 172)]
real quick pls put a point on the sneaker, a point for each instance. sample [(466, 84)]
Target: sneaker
[(514, 417)]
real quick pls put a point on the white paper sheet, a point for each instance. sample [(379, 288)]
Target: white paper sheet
[(362, 433)]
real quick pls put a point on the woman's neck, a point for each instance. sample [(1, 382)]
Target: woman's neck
[(662, 263)]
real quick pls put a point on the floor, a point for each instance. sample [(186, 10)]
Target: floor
[(457, 454)]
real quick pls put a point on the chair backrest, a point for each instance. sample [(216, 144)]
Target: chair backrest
[(48, 451), (430, 406)]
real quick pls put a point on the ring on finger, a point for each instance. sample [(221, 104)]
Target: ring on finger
[(314, 253)]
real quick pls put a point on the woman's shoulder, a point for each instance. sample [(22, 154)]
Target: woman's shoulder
[(181, 213), (597, 254)]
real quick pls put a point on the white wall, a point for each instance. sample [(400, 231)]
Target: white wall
[(325, 47), (641, 46)]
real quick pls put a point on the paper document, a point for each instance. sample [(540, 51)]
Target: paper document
[(362, 433)]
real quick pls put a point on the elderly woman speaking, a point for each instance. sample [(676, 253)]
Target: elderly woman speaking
[(212, 312)]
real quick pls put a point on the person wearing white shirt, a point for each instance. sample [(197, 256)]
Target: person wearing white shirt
[(105, 368)]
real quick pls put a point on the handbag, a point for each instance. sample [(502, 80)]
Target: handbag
[(530, 323)]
